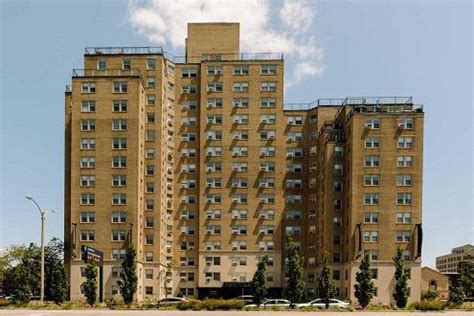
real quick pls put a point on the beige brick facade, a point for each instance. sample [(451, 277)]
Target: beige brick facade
[(219, 171)]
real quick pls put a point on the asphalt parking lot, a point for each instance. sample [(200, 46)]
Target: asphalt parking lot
[(207, 313)]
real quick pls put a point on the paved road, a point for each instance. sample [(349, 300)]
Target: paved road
[(208, 313)]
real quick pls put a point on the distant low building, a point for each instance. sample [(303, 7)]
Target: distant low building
[(433, 280), (448, 264)]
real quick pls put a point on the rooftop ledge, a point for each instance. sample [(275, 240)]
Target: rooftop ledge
[(97, 51)]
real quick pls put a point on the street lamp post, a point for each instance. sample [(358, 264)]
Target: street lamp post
[(43, 217)]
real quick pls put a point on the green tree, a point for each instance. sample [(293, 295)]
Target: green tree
[(128, 282), (466, 274), (364, 288), (430, 295), (326, 286), (90, 284), (259, 284), (294, 289), (400, 293), (56, 283)]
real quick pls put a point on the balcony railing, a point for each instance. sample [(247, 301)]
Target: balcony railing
[(105, 73), (123, 50)]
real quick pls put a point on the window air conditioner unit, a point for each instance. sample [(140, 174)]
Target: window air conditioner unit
[(235, 216), (235, 185), (184, 154), (209, 200), (290, 154), (208, 185), (208, 279), (235, 232), (234, 264), (263, 200), (190, 247), (235, 200), (311, 232), (234, 248), (208, 248), (271, 137), (235, 154), (262, 216), (262, 248), (262, 232), (184, 200), (184, 185), (208, 232), (234, 279), (183, 279), (237, 136), (218, 72), (208, 216)]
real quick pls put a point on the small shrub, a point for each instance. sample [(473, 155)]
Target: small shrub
[(378, 307), (429, 295), (429, 306), (4, 302), (187, 305), (215, 304)]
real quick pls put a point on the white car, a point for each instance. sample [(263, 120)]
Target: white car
[(320, 303), (274, 302)]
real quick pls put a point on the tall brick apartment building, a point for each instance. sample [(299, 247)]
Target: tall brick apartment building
[(199, 163)]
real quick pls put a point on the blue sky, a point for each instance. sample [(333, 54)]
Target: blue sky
[(417, 48)]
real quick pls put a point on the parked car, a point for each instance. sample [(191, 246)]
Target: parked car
[(274, 302), (248, 299), (320, 303), (170, 300)]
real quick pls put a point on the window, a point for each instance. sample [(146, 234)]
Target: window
[(119, 143), (239, 151), (119, 217), (268, 86), (88, 87), (215, 87), (150, 152), (149, 256), (371, 236), (88, 106), (120, 106), (373, 123), (150, 99), (404, 161), (119, 235), (404, 180), (87, 162), (120, 87), (189, 73), (116, 272), (189, 88), (150, 64), (88, 125), (268, 119), (241, 119), (266, 135), (150, 118), (372, 142), (403, 217), (294, 152), (87, 217), (294, 167), (405, 142), (149, 205), (267, 151), (214, 119), (268, 70), (403, 236), (267, 102), (119, 199), (371, 217), (240, 102), (149, 274), (150, 187), (119, 162), (371, 198), (372, 254), (87, 235), (102, 64), (149, 238), (149, 290), (295, 120), (119, 125), (87, 198), (150, 135), (241, 70), (214, 70), (214, 103), (372, 161), (150, 82), (371, 180), (119, 180), (118, 254), (404, 198), (88, 181), (126, 64), (240, 87), (405, 123), (88, 143)]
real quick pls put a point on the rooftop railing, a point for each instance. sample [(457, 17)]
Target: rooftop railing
[(122, 50), (105, 73), (354, 101), (181, 59), (68, 88)]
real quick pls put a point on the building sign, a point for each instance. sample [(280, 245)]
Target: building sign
[(92, 256)]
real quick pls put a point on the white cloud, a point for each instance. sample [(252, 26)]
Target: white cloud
[(164, 22)]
